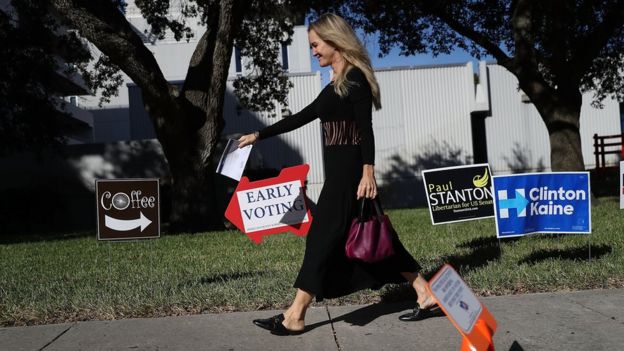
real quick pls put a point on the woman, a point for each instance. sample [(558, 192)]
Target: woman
[(345, 109)]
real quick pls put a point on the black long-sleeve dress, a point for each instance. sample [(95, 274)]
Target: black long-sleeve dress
[(349, 143)]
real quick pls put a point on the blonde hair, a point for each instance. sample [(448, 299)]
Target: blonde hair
[(338, 33)]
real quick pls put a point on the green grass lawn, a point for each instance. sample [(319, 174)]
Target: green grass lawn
[(75, 277)]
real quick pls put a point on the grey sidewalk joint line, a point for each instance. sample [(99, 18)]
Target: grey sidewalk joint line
[(613, 318), (58, 336), (331, 323)]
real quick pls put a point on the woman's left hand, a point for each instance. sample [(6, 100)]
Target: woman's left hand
[(368, 184)]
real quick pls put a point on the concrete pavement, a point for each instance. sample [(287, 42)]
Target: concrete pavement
[(583, 320)]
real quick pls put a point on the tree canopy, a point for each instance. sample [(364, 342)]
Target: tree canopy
[(557, 49), (188, 120), (38, 56)]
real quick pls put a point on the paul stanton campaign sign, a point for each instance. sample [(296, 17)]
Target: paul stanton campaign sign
[(459, 193), (542, 203)]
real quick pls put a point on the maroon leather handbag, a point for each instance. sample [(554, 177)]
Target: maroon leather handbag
[(370, 237)]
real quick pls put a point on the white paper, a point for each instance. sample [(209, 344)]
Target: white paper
[(233, 160)]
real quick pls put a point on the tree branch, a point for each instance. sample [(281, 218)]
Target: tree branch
[(223, 47), (208, 70), (521, 22), (558, 40), (586, 50), (436, 9), (200, 66), (104, 25), (524, 65)]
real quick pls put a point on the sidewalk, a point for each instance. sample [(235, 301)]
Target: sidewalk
[(584, 320)]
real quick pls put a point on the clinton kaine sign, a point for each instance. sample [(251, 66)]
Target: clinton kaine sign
[(459, 193), (556, 202), (271, 206)]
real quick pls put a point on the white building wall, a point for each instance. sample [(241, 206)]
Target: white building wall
[(422, 110), (303, 145), (605, 121), (299, 51), (516, 127)]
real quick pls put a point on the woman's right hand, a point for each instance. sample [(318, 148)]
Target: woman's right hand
[(247, 139)]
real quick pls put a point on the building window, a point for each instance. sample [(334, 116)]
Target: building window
[(237, 60), (621, 117), (285, 56)]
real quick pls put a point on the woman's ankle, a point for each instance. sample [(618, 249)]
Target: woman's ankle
[(295, 314), (424, 297)]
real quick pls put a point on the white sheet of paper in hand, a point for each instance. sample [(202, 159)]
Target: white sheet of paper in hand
[(233, 160)]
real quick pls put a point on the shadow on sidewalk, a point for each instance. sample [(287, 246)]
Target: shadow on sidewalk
[(516, 346), (366, 314)]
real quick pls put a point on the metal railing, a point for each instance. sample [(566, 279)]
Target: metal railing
[(607, 144)]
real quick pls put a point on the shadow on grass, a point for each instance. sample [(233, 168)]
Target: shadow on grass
[(223, 278), (483, 251), (580, 253), (6, 239), (486, 241)]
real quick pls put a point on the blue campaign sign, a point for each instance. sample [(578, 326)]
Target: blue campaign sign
[(542, 203)]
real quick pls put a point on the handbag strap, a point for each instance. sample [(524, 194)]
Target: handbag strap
[(361, 212), (376, 203)]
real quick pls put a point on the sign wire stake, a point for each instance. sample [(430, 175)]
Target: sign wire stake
[(589, 246), (97, 271), (110, 273), (152, 280)]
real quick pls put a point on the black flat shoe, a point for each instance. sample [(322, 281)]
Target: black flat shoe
[(418, 314), (275, 326)]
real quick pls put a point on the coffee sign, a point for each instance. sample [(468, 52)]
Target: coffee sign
[(128, 209)]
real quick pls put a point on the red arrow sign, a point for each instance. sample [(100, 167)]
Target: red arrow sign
[(271, 206)]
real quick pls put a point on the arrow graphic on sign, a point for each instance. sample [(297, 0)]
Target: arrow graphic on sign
[(123, 225), (519, 203)]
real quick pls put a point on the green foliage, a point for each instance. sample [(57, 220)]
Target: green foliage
[(156, 12), (260, 39), (28, 110), (74, 277), (572, 43), (36, 52), (265, 25)]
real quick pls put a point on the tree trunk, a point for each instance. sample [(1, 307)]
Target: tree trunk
[(565, 149), (562, 121), (194, 205)]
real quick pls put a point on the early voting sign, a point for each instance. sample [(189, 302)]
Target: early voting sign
[(459, 193), (542, 203), (271, 206)]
